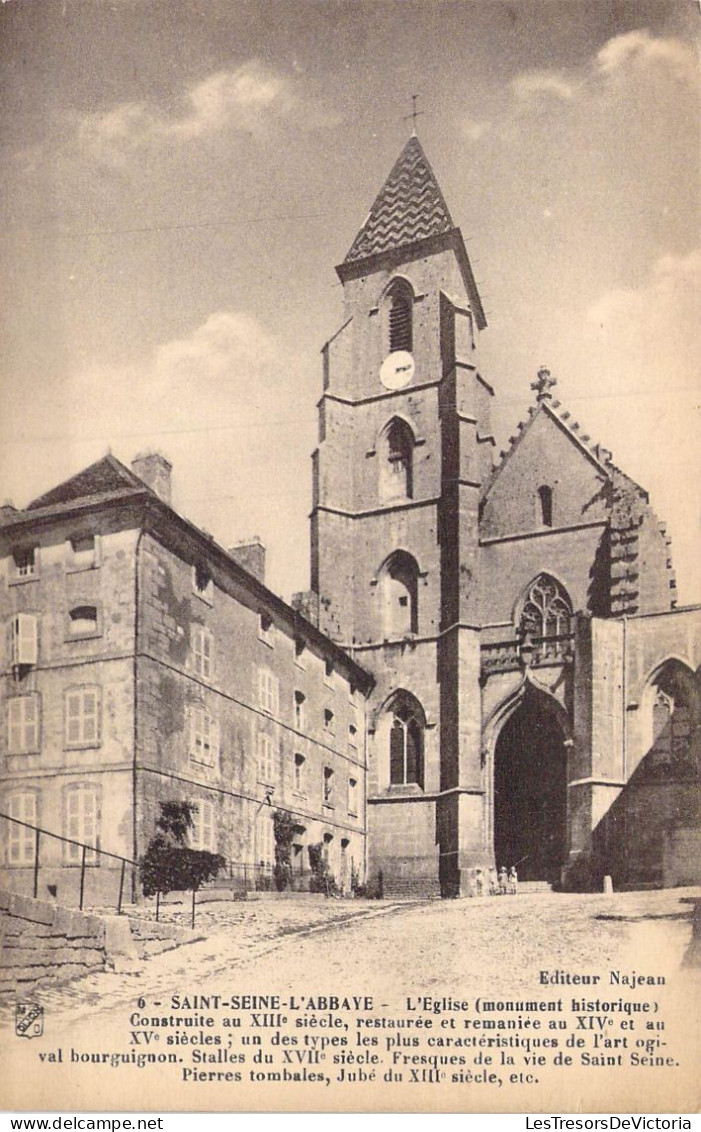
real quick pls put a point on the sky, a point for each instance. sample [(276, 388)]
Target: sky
[(180, 177)]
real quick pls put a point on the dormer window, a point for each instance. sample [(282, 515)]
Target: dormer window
[(544, 506)]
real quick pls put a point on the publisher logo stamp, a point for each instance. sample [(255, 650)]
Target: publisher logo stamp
[(29, 1020)]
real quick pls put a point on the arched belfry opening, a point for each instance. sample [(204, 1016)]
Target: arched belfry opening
[(398, 316), (396, 451), (530, 790)]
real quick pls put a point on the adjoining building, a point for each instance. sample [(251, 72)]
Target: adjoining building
[(144, 663), (536, 698)]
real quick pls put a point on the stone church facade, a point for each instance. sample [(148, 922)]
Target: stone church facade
[(536, 699)]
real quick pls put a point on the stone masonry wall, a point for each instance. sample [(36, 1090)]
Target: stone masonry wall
[(42, 943)]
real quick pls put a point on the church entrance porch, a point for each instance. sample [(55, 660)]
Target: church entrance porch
[(530, 792)]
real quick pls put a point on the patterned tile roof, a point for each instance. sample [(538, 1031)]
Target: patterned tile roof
[(409, 207)]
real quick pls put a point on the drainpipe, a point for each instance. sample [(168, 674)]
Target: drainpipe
[(135, 699), (625, 706)]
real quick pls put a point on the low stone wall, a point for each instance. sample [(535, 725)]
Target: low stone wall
[(42, 943)]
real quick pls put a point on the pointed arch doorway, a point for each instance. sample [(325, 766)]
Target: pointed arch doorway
[(530, 791)]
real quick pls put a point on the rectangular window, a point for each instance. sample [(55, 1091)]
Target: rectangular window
[(203, 835), (299, 653), (201, 651), (202, 584), (81, 824), (329, 721), (19, 840), (268, 691), (83, 621), (300, 711), (329, 678), (266, 758), (352, 735), (352, 796), (204, 737), (83, 552), (25, 562), (22, 640), (328, 786), (299, 773), (82, 717), (265, 838), (23, 724), (266, 630)]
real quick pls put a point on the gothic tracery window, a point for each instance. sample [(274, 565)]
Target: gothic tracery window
[(547, 610), (406, 741)]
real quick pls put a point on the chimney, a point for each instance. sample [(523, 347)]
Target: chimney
[(250, 553), (155, 471)]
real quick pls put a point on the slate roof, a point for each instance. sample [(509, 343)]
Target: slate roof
[(106, 475), (409, 207)]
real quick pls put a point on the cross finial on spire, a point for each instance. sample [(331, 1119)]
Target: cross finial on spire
[(414, 114), (543, 384)]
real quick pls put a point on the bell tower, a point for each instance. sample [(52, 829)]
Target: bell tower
[(404, 446)]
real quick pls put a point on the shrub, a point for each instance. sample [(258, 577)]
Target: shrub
[(169, 865)]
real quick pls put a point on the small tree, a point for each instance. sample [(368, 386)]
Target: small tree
[(169, 865), (283, 829), (322, 879)]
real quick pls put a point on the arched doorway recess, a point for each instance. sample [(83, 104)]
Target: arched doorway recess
[(530, 790)]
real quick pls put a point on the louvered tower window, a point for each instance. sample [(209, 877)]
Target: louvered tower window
[(400, 318)]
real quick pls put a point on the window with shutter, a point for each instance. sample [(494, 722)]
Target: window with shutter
[(20, 841), (23, 640), (203, 833), (23, 724), (268, 691), (201, 651), (81, 824), (204, 737), (82, 717), (266, 759)]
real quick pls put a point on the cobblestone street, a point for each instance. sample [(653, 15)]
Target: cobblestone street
[(462, 949)]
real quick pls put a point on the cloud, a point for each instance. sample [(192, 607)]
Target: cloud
[(634, 52), (474, 130), (533, 83), (651, 333), (251, 99), (225, 366), (639, 48)]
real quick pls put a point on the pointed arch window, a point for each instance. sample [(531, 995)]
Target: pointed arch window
[(544, 506), (406, 741), (399, 593), (396, 461), (547, 610), (399, 303)]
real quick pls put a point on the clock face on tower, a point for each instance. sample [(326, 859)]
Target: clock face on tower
[(397, 370)]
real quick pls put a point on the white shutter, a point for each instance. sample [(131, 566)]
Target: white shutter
[(26, 638), (14, 725)]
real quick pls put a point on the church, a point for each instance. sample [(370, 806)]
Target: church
[(490, 668), (536, 699)]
